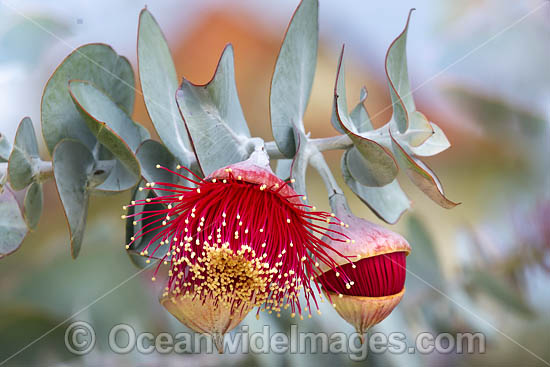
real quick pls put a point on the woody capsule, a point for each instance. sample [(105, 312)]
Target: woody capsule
[(369, 281)]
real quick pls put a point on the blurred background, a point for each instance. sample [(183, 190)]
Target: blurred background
[(479, 70)]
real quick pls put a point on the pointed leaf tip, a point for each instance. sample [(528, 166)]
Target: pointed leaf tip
[(398, 79), (213, 116), (159, 83), (421, 175), (378, 167), (293, 76)]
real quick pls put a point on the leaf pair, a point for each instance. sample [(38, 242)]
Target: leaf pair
[(370, 167), (23, 171), (207, 119), (88, 130)]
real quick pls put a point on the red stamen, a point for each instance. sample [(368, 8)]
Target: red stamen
[(229, 236)]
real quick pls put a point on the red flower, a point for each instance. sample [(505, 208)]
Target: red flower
[(240, 238)]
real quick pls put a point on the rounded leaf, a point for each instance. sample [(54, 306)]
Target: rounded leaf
[(22, 166), (388, 202), (12, 225), (114, 129), (73, 167), (437, 143), (5, 148), (33, 205), (97, 63)]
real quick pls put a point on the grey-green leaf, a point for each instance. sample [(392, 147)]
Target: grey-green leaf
[(214, 118), (32, 209), (73, 165), (12, 225), (421, 175), (152, 153), (378, 165), (114, 129), (359, 115), (159, 83), (419, 131), (5, 148), (105, 113), (97, 63), (437, 143), (398, 80), (388, 202), (372, 172), (22, 166), (283, 169), (293, 75)]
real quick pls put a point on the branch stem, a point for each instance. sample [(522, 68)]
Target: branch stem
[(339, 142), (318, 162)]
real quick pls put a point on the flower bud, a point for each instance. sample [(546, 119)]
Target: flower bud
[(369, 280)]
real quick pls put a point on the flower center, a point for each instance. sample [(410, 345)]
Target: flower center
[(236, 279)]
